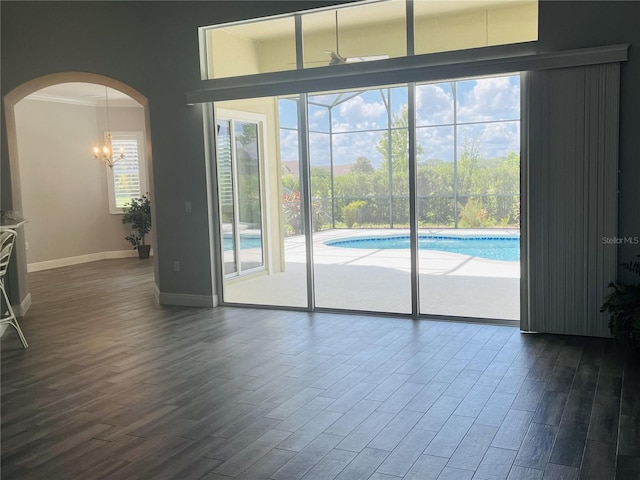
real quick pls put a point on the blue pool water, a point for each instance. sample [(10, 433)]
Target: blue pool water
[(245, 242), (490, 247)]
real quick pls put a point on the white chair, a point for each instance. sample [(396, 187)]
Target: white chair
[(7, 239)]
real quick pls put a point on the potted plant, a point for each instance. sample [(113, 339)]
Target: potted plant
[(622, 303), (137, 212)]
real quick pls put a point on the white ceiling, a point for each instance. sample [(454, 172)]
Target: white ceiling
[(78, 93)]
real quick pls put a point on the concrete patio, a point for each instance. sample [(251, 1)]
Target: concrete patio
[(378, 280)]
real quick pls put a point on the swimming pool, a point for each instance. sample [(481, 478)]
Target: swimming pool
[(246, 241), (506, 248)]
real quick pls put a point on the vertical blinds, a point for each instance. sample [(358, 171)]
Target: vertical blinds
[(572, 170)]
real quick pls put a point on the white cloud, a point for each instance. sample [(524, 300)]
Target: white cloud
[(434, 104), (319, 144), (496, 139), (488, 99), (436, 143), (342, 127), (319, 119), (288, 145), (347, 147), (320, 114), (358, 114)]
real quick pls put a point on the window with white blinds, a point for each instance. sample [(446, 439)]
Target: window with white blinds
[(126, 179)]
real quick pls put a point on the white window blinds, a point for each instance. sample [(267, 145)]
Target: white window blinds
[(127, 179)]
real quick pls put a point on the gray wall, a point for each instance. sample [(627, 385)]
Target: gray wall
[(569, 25), (153, 47)]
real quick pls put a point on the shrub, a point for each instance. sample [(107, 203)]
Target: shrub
[(474, 215), (350, 212)]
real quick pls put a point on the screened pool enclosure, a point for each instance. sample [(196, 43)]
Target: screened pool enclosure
[(468, 168), (352, 159)]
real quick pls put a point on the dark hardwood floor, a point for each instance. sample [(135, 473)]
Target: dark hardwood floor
[(114, 386)]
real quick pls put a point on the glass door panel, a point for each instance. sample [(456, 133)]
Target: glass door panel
[(359, 188), (248, 200), (264, 251), (238, 158), (468, 190), (226, 195)]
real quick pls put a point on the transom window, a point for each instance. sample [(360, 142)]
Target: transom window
[(364, 31)]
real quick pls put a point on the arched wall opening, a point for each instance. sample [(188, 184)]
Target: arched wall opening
[(18, 284)]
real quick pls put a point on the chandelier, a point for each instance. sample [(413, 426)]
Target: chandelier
[(105, 154)]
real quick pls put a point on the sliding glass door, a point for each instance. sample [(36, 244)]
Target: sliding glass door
[(316, 207), (358, 155), (261, 230), (239, 182), (468, 189)]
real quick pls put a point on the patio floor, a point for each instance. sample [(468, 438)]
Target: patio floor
[(378, 280)]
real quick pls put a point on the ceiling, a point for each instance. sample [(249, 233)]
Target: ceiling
[(89, 94)]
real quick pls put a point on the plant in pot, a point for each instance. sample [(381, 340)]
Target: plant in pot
[(622, 303), (137, 212)]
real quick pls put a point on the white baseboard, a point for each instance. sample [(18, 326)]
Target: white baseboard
[(91, 257), (187, 300), (21, 310)]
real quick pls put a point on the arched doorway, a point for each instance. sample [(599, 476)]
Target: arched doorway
[(19, 293)]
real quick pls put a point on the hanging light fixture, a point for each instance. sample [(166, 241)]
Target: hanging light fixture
[(105, 153)]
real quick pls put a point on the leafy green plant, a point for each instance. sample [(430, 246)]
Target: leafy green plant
[(350, 212), (137, 212), (622, 303), (292, 212), (319, 215), (474, 215), (633, 266)]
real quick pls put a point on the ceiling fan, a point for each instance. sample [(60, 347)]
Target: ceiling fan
[(336, 59)]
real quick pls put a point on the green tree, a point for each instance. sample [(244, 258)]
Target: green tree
[(248, 135), (468, 166), (362, 165), (435, 193), (321, 194), (320, 183), (507, 181), (370, 187), (397, 152)]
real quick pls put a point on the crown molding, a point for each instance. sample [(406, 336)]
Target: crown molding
[(43, 97), (86, 102)]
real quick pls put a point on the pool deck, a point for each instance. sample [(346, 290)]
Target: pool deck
[(378, 280)]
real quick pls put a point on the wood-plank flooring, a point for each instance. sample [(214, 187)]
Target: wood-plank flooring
[(115, 386)]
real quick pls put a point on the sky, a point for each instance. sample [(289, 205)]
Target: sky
[(360, 119)]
